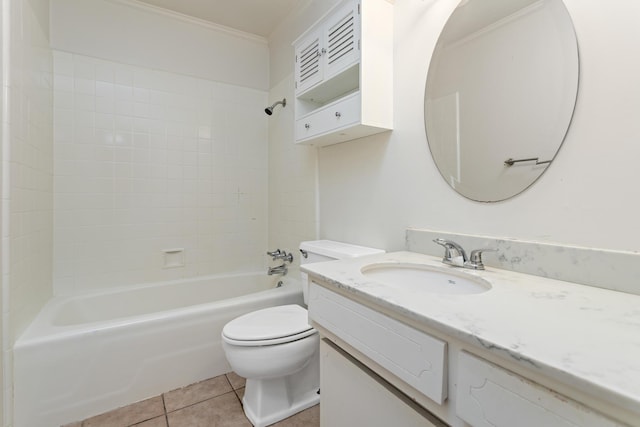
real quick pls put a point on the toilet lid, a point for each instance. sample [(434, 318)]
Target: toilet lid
[(273, 323)]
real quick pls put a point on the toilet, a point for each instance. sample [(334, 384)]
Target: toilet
[(276, 349)]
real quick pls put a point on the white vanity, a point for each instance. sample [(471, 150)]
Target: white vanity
[(524, 351)]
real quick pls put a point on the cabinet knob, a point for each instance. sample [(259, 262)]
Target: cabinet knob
[(338, 115), (307, 125)]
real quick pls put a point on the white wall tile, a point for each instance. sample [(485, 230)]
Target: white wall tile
[(141, 175), (27, 160)]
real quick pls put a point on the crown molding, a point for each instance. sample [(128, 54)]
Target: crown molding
[(136, 4)]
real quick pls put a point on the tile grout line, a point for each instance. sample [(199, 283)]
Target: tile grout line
[(166, 415), (235, 392), (200, 401)]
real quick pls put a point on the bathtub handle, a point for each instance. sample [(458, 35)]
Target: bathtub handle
[(274, 254), (284, 256)]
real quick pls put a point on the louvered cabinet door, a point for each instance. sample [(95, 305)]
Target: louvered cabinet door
[(309, 68), (341, 39)]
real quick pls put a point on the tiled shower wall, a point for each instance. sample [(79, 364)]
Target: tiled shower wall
[(148, 161), (27, 175)]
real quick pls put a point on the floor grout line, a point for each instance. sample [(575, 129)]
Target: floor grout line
[(196, 403), (166, 415)]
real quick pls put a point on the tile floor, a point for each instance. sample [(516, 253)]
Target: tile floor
[(215, 402)]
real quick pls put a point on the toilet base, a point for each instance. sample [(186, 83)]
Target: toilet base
[(267, 401)]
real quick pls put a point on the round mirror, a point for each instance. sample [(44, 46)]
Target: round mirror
[(501, 90)]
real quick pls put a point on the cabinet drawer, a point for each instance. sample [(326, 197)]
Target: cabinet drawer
[(494, 397), (336, 115), (413, 356)]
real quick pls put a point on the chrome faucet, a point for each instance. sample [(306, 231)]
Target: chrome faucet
[(455, 255), (452, 252), (280, 269), (288, 257)]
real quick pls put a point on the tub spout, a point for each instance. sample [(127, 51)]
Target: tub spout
[(280, 269)]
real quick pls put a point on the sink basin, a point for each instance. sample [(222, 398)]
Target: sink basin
[(422, 278)]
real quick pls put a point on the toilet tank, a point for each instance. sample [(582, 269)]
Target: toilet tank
[(328, 250)]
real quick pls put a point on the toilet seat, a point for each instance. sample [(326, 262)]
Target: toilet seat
[(269, 326)]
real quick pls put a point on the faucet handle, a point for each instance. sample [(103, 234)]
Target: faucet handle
[(274, 254), (475, 258), (288, 257)]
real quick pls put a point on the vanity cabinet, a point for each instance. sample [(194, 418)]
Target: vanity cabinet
[(353, 395), (344, 74), (376, 368), (413, 356), (489, 396)]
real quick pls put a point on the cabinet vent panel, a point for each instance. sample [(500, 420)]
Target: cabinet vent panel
[(310, 61), (341, 38)]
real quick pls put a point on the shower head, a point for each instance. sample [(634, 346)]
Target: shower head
[(269, 110)]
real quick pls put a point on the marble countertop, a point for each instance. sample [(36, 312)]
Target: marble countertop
[(582, 336)]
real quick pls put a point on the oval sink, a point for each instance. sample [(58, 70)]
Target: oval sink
[(422, 278)]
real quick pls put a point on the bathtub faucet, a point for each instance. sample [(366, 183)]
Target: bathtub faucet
[(280, 269), (278, 254)]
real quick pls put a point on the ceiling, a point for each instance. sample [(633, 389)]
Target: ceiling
[(252, 16)]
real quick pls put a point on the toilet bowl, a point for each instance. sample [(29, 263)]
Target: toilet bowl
[(277, 351)]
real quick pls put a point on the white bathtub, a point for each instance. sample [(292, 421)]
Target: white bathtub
[(87, 354)]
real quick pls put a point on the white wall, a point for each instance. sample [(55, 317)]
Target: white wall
[(132, 33), (292, 179), (27, 181), (373, 188)]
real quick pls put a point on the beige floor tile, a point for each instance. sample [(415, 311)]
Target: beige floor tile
[(128, 415), (308, 418), (221, 411), (198, 392), (155, 422), (236, 380)]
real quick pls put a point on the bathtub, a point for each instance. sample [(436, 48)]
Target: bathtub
[(87, 354)]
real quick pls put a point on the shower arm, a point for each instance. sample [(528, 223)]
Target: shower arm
[(269, 110)]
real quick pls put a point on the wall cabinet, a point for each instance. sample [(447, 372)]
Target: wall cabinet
[(330, 48), (344, 74)]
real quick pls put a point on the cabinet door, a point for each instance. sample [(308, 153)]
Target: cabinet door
[(309, 67), (341, 39), (489, 396), (352, 395)]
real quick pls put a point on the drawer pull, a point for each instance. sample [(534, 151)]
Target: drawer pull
[(338, 115), (307, 125)]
